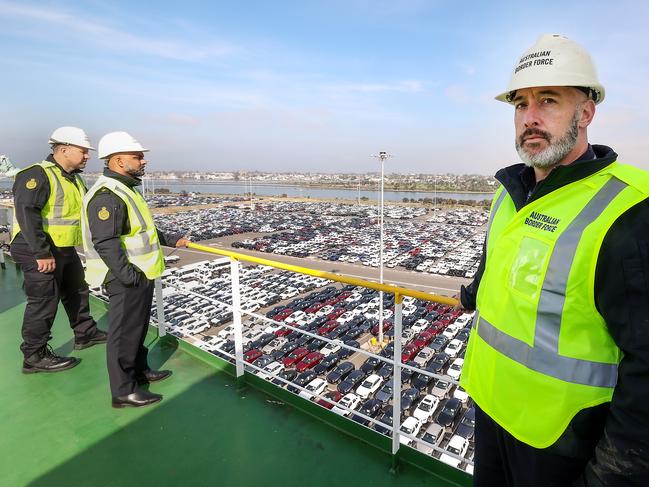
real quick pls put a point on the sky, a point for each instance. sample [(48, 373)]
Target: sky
[(312, 86)]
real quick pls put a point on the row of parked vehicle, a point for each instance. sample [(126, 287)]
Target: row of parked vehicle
[(330, 372)]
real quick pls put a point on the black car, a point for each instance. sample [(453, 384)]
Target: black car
[(370, 408), (466, 428), (282, 351), (384, 419), (345, 352), (449, 412), (286, 374), (463, 334), (340, 372), (408, 398), (351, 381), (438, 362), (302, 380), (438, 343), (406, 374), (315, 345), (326, 364), (371, 364), (352, 334), (385, 371), (384, 394), (420, 381)]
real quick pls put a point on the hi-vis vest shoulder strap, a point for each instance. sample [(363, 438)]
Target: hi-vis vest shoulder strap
[(61, 213), (540, 352), (141, 245)]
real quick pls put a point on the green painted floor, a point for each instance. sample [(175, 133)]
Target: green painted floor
[(59, 429)]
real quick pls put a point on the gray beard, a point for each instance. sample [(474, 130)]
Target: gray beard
[(555, 151)]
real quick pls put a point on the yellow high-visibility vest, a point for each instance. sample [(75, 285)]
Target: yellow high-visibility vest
[(540, 351), (141, 245), (61, 213)]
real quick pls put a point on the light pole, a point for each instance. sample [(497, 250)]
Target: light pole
[(382, 156)]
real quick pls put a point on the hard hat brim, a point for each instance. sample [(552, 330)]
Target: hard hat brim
[(52, 141)]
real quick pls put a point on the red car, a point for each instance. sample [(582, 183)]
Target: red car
[(330, 399), (251, 355), (409, 352), (309, 361), (425, 337), (328, 327), (295, 356), (335, 313), (387, 326), (283, 332)]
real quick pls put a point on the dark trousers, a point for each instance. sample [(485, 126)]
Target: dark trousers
[(44, 291), (129, 310), (503, 461)]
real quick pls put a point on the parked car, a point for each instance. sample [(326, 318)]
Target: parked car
[(410, 426), (457, 446), (330, 399), (466, 428), (433, 436), (314, 388), (341, 371), (369, 386), (371, 408), (455, 369), (309, 361), (349, 401), (426, 408), (449, 412), (351, 381)]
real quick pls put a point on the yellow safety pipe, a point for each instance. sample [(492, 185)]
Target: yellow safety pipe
[(387, 288)]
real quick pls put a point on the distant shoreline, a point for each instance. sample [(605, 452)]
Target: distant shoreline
[(348, 187)]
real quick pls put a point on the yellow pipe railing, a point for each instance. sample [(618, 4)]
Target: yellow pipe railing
[(387, 288)]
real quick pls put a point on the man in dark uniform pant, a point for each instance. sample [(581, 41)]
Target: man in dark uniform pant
[(123, 252), (47, 202)]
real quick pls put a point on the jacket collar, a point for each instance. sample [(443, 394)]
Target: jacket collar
[(520, 183), (127, 180)]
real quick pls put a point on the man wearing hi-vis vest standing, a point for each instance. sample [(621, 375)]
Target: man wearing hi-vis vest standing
[(46, 229), (123, 252), (558, 358)]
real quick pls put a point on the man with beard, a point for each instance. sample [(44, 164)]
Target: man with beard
[(558, 358), (123, 253), (46, 229)]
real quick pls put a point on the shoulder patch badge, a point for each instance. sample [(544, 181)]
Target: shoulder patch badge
[(103, 214), (31, 184)]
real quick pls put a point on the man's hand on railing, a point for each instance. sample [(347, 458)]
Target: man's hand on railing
[(458, 306), (182, 242)]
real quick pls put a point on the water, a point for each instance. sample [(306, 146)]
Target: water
[(176, 186)]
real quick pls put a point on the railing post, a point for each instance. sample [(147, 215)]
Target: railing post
[(236, 318), (160, 307), (396, 380)]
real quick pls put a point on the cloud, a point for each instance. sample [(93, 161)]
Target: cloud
[(116, 39)]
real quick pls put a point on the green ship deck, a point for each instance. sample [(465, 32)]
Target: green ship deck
[(60, 430)]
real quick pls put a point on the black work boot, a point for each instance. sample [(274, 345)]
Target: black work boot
[(45, 360), (98, 337)]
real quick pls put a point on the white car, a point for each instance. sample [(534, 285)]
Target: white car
[(273, 327), (331, 347), (461, 394), (455, 369), (271, 370), (349, 401), (314, 388), (420, 325), (369, 386), (410, 426), (464, 319), (457, 446), (454, 348), (426, 408)]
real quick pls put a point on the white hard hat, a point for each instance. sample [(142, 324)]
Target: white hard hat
[(555, 60), (116, 142), (70, 136)]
